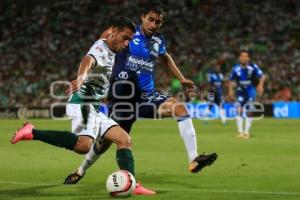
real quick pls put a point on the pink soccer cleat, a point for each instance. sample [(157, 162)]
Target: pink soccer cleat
[(140, 190), (24, 133)]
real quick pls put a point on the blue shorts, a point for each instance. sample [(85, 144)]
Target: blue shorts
[(141, 105), (243, 100), (149, 104), (245, 95)]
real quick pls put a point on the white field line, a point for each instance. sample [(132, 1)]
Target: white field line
[(282, 193)]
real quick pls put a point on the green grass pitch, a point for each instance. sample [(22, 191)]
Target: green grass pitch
[(265, 167)]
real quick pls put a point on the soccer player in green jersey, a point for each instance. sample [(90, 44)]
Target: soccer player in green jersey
[(88, 124)]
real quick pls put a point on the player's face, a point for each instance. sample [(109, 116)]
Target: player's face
[(151, 23), (120, 39), (244, 58), (217, 68)]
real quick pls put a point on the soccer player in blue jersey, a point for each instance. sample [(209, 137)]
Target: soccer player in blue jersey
[(215, 79), (140, 98), (245, 75)]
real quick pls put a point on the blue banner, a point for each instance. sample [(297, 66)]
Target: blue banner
[(212, 111), (286, 109)]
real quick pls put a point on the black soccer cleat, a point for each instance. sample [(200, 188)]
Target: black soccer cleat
[(202, 161), (72, 179)]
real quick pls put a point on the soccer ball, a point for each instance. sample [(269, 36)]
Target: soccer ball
[(120, 184)]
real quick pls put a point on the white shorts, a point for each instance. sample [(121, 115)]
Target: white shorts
[(85, 120)]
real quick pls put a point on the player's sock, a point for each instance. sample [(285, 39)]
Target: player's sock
[(64, 139), (207, 113), (125, 160), (223, 115), (239, 122), (89, 160), (248, 125), (187, 132)]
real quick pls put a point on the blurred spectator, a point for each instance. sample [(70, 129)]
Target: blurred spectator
[(284, 94), (42, 42)]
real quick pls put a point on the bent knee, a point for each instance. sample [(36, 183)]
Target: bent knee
[(83, 145), (178, 108), (125, 141)]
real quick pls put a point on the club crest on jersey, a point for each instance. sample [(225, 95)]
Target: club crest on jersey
[(155, 49), (123, 75), (99, 49)]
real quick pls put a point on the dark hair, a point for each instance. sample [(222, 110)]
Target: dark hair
[(154, 7), (244, 51), (123, 22)]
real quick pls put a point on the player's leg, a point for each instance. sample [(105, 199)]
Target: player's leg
[(239, 115), (211, 101), (112, 133), (103, 142), (248, 124), (92, 156), (222, 110), (172, 107), (98, 148), (248, 118), (95, 152), (64, 139), (102, 146), (79, 140), (124, 155), (223, 114)]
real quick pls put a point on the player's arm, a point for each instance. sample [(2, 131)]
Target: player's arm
[(169, 62), (232, 77), (230, 90), (259, 73), (260, 85), (211, 85), (85, 65)]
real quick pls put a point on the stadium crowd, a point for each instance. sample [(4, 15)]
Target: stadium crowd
[(44, 41)]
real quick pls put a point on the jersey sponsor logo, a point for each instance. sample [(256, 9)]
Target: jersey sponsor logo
[(135, 63), (123, 75), (245, 83)]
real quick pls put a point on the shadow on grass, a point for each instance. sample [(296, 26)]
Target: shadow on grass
[(39, 192)]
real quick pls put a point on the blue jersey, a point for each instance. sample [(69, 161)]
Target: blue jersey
[(140, 57), (216, 79), (245, 77)]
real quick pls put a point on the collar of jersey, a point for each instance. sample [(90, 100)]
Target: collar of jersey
[(105, 43)]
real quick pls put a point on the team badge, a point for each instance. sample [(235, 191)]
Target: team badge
[(156, 47)]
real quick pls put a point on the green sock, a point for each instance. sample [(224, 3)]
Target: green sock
[(125, 160), (64, 139)]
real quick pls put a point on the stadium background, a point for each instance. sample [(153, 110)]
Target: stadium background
[(44, 41)]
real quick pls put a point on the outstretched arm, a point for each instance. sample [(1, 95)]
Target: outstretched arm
[(86, 64), (168, 60)]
